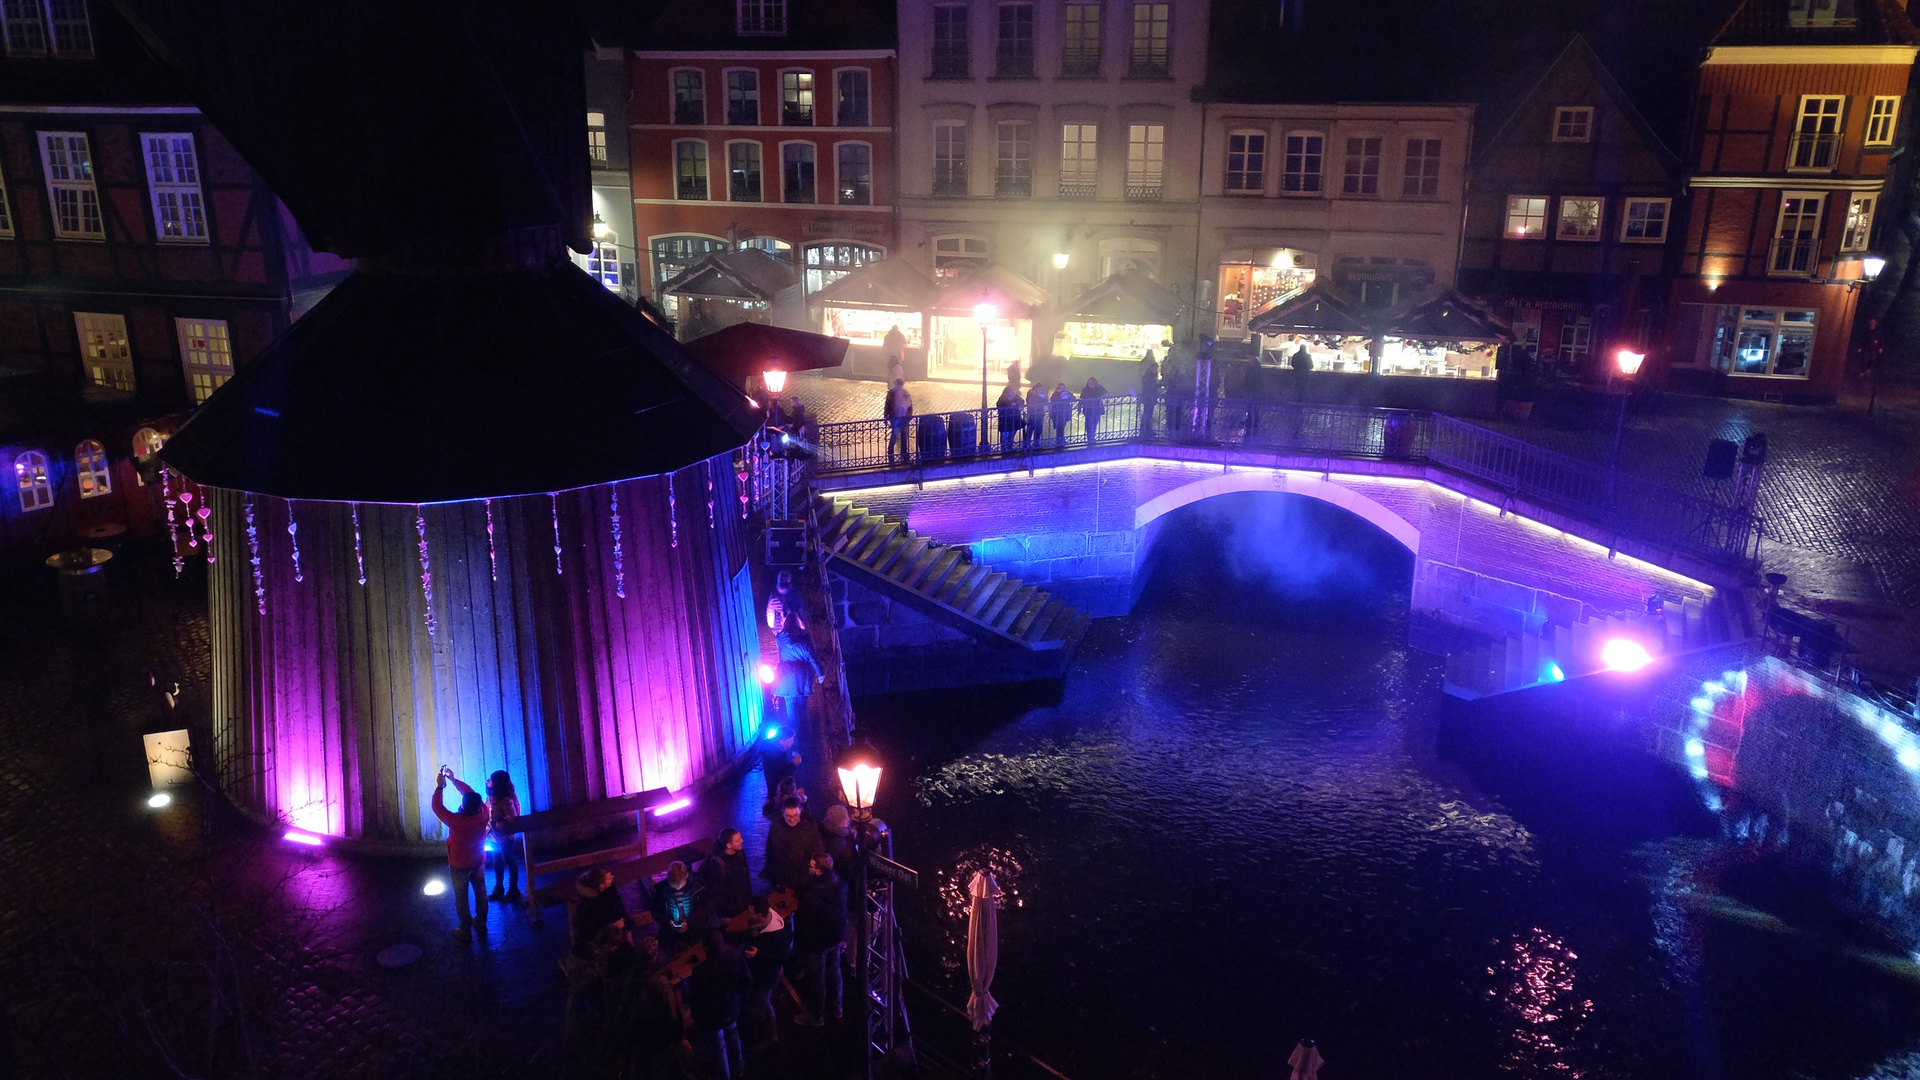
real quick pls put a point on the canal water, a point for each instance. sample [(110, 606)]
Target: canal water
[(1245, 818)]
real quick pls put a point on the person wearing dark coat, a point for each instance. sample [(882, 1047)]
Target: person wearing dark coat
[(818, 937), (790, 840), (1036, 425), (1179, 391), (1149, 391), (727, 879), (836, 834), (1007, 415), (1093, 405), (769, 946), (714, 994), (1060, 411)]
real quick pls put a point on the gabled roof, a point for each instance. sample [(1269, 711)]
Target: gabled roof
[(1855, 22), (890, 284), (1319, 309), (1015, 295), (1578, 51), (746, 274), (1129, 296), (1447, 317), (746, 348)]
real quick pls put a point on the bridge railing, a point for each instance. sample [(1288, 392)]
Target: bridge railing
[(1627, 505)]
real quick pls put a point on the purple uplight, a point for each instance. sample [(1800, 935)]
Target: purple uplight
[(295, 836), (667, 808)]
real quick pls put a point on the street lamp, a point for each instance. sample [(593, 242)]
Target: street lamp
[(1060, 260), (1628, 363), (986, 314), (1871, 265), (859, 768), (774, 379)]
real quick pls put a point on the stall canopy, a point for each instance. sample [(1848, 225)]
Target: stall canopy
[(747, 349), (887, 285), (1015, 296), (1127, 297), (1319, 309), (749, 275), (1447, 317)]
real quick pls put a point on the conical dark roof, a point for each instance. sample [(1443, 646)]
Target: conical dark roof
[(412, 389), (1127, 297), (1319, 309)]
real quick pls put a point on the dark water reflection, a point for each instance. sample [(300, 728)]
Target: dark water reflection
[(1234, 827)]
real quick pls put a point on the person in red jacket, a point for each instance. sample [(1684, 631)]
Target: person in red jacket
[(466, 852)]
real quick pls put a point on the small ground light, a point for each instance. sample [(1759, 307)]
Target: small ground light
[(667, 808), (1554, 674), (767, 674), (434, 887), (295, 836), (1624, 654), (159, 799), (773, 731), (1909, 758)]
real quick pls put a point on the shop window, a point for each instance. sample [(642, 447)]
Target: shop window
[(1129, 253), (853, 175), (673, 254), (1644, 221), (950, 59), (1362, 179), (1013, 47), (743, 98), (1796, 238), (1576, 340), (689, 96), (1765, 341), (796, 98), (953, 255), (6, 210), (950, 159), (70, 188), (104, 351), (1815, 146), (1880, 120), (743, 171), (1080, 48), (1422, 178), (1573, 123), (772, 245), (825, 264), (1305, 158), (1246, 162), (1251, 281), (206, 355), (690, 169), (870, 326), (796, 173), (173, 180), (1526, 217), (597, 139), (760, 18), (1150, 57), (1079, 160), (853, 87), (1859, 231), (1580, 217), (30, 473), (34, 25), (1013, 159), (91, 469), (1146, 160)]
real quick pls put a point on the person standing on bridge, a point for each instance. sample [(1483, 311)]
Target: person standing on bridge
[(1036, 426), (1060, 411), (1149, 391), (1093, 405), (898, 410), (1008, 409)]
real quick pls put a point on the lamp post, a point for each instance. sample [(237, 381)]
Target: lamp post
[(859, 768), (985, 313), (1627, 362), (1870, 267)]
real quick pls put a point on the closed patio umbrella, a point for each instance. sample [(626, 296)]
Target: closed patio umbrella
[(983, 947)]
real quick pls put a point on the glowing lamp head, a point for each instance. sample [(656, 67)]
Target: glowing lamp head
[(601, 230), (1871, 265), (1624, 654), (985, 313), (859, 768), (1060, 259), (775, 380), (159, 800), (1629, 362), (1553, 673), (773, 732), (767, 674)]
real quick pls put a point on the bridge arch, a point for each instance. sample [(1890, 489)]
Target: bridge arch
[(1312, 487)]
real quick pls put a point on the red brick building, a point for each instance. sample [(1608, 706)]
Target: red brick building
[(1796, 122), (764, 125)]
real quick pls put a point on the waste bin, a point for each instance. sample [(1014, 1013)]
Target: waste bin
[(932, 437), (963, 434)]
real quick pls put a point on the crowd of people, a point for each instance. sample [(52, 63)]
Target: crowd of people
[(1032, 420)]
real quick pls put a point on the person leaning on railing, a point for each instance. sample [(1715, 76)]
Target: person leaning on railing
[(898, 411)]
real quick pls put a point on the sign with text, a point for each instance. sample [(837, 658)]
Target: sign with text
[(842, 230), (893, 871)]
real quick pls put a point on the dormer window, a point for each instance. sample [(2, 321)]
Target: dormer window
[(761, 18), (1573, 123), (1821, 13)]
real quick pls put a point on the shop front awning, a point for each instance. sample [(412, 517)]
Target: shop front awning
[(747, 349), (1013, 295), (1128, 297), (887, 285), (1318, 309), (749, 274), (1447, 317)]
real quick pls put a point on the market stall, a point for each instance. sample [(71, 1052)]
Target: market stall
[(729, 287), (955, 330), (865, 305), (1446, 337), (1119, 319), (1336, 335)]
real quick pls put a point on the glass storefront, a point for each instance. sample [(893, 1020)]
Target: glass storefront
[(1776, 342), (1444, 359), (1112, 341), (867, 326), (1251, 282), (955, 352)]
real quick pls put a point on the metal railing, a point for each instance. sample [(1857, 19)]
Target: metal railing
[(1813, 151), (1624, 504), (1142, 192), (1792, 258), (1077, 189)]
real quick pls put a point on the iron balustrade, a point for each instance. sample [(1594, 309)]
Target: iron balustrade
[(1793, 258), (1623, 504), (1813, 151), (1077, 189)]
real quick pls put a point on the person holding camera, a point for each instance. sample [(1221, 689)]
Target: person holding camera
[(466, 852)]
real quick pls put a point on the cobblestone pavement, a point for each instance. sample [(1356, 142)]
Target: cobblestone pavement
[(834, 400)]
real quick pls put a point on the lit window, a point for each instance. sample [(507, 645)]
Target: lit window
[(1580, 218), (1880, 120), (1305, 158), (1645, 221), (1080, 52), (1796, 239), (28, 22), (766, 18), (1526, 217), (90, 468), (828, 263), (854, 173), (950, 159), (796, 98), (854, 110), (1146, 160), (1422, 179), (772, 245), (1149, 58), (954, 254), (1079, 160), (206, 355), (950, 41), (689, 97), (1246, 162), (603, 262), (1576, 340), (6, 210), (104, 352), (1013, 159), (743, 171), (76, 203), (1804, 13), (1013, 49), (796, 172), (743, 98), (1573, 124), (1363, 168), (1773, 342), (173, 175), (1859, 231), (690, 169), (30, 473), (1815, 146), (597, 138)]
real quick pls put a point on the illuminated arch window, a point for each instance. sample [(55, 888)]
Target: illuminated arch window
[(90, 464), (30, 472)]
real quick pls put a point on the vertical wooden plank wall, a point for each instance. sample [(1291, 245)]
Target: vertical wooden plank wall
[(333, 709)]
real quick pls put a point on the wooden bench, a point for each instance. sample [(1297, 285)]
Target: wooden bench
[(628, 861)]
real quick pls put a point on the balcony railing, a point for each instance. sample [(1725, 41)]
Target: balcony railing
[(1813, 151), (792, 115), (1143, 191), (693, 188), (952, 186), (1013, 61), (1017, 185), (1077, 189), (1080, 64), (690, 112), (743, 113), (1793, 258), (1149, 68), (949, 61)]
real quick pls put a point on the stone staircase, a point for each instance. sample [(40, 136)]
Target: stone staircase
[(1556, 652), (944, 582)]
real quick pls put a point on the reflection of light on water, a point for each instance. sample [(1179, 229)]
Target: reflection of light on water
[(1535, 985), (1046, 768)]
